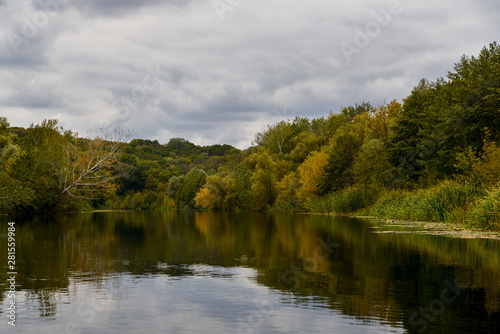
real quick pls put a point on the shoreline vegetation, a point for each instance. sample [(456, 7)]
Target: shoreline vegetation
[(451, 202), (433, 157)]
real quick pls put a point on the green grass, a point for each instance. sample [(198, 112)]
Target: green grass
[(319, 205), (343, 201)]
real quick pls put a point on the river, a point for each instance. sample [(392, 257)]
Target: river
[(199, 272)]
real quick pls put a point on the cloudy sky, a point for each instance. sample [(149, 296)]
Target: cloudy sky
[(218, 71)]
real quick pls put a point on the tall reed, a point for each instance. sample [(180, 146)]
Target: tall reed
[(486, 213), (447, 201)]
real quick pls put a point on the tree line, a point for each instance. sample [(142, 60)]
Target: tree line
[(46, 168), (447, 129)]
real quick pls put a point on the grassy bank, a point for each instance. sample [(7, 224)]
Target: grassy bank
[(450, 202), (344, 201)]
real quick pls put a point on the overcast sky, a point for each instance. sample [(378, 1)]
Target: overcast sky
[(218, 71)]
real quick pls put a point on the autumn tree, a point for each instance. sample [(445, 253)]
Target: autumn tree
[(218, 193), (483, 167), (287, 191), (227, 190), (61, 167), (310, 172), (92, 164), (263, 180), (378, 121)]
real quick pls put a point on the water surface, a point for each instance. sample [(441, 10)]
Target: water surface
[(183, 272)]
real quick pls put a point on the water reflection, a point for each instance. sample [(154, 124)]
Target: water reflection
[(215, 273)]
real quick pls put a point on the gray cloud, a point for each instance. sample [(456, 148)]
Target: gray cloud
[(110, 7), (175, 69)]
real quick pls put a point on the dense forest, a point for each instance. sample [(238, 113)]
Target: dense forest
[(433, 156)]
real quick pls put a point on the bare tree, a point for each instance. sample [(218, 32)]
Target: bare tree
[(92, 163)]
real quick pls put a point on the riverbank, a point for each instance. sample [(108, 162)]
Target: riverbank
[(462, 206)]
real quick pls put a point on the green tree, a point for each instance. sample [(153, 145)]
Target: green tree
[(263, 180), (174, 184), (136, 201), (148, 200), (482, 168), (12, 192), (442, 119), (279, 138), (41, 164), (406, 151), (351, 112), (306, 143), (332, 124), (230, 188), (338, 172), (371, 165), (475, 82), (192, 184)]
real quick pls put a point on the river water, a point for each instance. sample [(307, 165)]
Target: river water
[(186, 272)]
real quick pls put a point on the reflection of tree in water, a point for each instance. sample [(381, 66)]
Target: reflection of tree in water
[(385, 276), (44, 301), (382, 276)]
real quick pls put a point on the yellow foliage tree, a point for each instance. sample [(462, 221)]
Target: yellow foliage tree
[(310, 174), (264, 179), (204, 198), (378, 122), (483, 167), (287, 189)]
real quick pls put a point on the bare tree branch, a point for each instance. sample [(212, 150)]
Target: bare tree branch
[(92, 163)]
